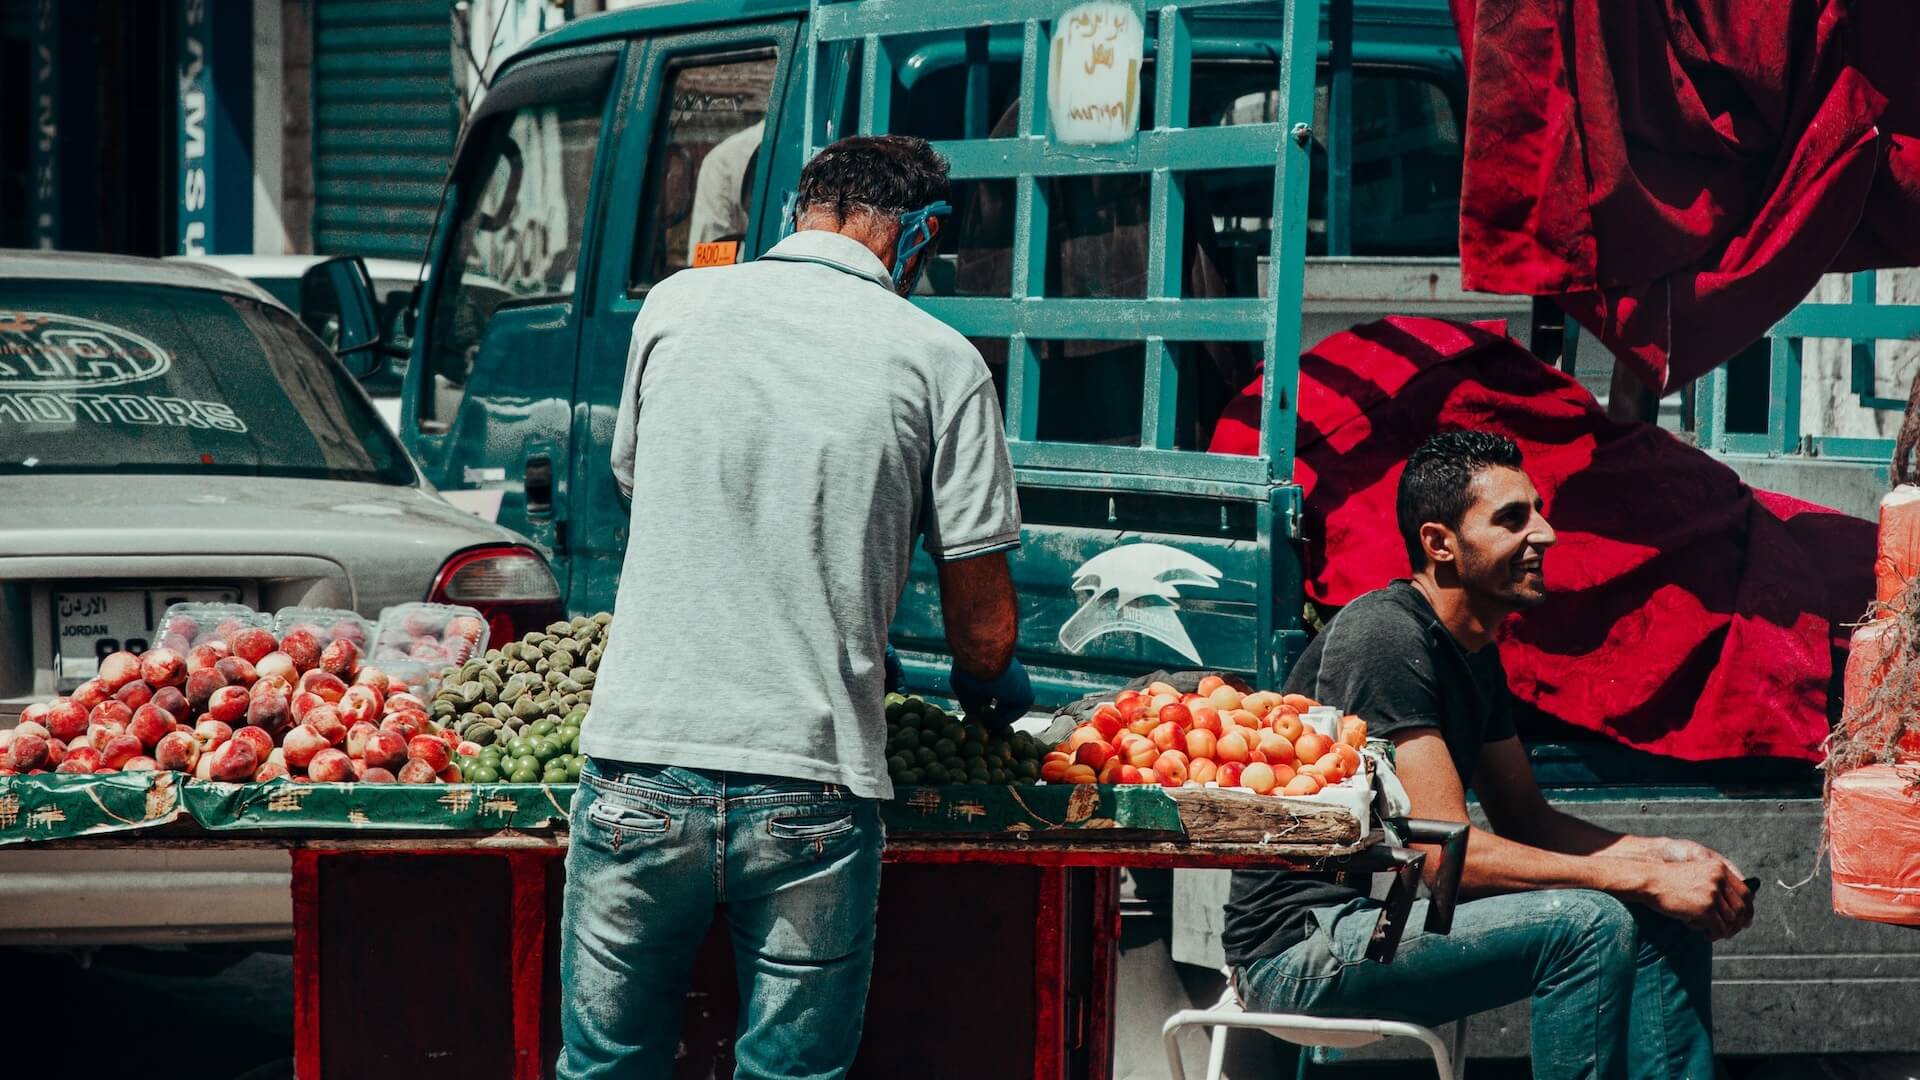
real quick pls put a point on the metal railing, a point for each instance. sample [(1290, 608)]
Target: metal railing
[(1861, 321), (1162, 320)]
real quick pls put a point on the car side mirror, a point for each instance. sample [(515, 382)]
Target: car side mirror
[(336, 303)]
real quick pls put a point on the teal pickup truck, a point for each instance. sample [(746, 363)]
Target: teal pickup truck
[(1120, 291)]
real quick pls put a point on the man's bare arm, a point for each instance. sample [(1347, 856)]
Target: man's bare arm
[(1705, 895), (1503, 779), (981, 613)]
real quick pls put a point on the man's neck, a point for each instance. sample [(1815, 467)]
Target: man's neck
[(875, 234), (1468, 622)]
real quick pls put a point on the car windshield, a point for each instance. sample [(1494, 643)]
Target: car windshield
[(112, 377)]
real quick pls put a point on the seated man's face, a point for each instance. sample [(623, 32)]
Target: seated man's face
[(1503, 538)]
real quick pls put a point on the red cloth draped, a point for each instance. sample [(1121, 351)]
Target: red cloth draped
[(1690, 615), (1679, 173)]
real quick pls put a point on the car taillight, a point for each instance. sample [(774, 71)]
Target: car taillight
[(509, 585)]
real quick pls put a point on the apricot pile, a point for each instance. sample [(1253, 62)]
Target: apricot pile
[(1217, 735)]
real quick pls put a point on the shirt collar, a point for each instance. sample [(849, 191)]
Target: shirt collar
[(843, 253)]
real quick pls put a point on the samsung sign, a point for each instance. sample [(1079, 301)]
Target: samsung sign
[(215, 108), (196, 217)]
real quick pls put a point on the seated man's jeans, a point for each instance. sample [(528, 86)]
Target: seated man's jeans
[(1618, 990), (653, 851)]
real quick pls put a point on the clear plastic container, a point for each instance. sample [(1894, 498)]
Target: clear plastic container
[(183, 626), (416, 678), (325, 624), (1324, 719), (436, 635)]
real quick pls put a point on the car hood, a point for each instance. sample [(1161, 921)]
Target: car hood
[(98, 514)]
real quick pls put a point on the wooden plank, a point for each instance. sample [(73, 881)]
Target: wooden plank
[(1215, 816)]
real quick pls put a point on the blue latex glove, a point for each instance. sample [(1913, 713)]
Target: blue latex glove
[(997, 702), (896, 675)]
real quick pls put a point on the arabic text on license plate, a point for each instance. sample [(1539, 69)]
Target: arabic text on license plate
[(90, 625)]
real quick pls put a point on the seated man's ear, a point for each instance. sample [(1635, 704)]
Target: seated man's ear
[(1439, 543)]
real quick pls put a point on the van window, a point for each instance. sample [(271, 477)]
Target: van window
[(703, 164), (523, 199)]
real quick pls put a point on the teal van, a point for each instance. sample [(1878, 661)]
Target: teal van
[(624, 148), (1122, 292)]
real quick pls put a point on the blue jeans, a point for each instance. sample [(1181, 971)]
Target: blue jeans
[(653, 851), (1618, 990)]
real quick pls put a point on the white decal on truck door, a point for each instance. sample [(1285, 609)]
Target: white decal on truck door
[(1134, 589)]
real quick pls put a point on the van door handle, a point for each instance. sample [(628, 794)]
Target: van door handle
[(539, 485)]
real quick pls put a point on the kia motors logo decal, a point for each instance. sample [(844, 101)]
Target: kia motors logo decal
[(1135, 589), (43, 350)]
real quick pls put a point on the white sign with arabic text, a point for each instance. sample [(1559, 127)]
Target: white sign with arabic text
[(1093, 93)]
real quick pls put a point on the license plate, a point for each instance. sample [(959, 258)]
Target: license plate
[(93, 624)]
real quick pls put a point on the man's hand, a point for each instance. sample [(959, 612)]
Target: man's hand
[(1706, 894), (996, 702)]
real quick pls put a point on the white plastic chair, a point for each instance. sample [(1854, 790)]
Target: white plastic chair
[(1449, 1058)]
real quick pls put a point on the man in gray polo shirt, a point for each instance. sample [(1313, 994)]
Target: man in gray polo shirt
[(788, 428)]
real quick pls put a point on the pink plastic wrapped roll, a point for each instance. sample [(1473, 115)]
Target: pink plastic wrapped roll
[(1873, 827)]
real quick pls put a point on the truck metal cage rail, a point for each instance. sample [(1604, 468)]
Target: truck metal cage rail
[(1164, 152), (855, 49), (1861, 321)]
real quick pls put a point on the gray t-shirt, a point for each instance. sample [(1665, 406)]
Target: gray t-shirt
[(787, 428)]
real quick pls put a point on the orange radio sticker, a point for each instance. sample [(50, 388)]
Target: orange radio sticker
[(718, 253)]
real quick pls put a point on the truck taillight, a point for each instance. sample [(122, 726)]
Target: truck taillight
[(510, 585)]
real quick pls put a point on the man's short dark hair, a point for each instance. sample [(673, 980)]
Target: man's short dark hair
[(1434, 485), (888, 175)]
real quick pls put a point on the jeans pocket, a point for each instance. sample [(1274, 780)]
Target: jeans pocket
[(626, 819), (811, 823), (819, 829)]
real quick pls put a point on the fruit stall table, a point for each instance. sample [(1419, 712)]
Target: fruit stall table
[(428, 949)]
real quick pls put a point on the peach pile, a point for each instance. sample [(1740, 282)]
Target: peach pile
[(1217, 736), (238, 707)]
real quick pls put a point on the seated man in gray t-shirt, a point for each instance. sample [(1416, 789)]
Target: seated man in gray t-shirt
[(788, 429), (1607, 934)]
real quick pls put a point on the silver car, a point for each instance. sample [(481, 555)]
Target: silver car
[(168, 432)]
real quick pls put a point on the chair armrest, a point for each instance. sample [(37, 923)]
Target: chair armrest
[(1445, 891)]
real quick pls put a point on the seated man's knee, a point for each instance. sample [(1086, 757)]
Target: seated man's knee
[(1596, 920)]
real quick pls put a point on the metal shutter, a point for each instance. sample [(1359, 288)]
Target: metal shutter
[(384, 124)]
